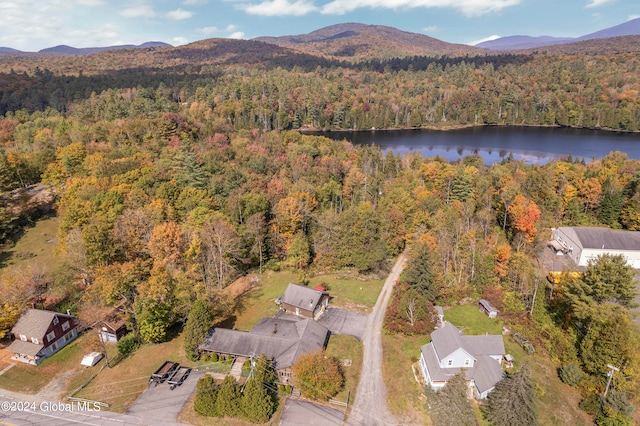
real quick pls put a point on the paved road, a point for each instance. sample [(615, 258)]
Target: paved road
[(28, 410), (297, 412), (370, 405)]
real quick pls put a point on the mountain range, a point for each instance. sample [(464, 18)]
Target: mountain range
[(69, 50), (519, 42)]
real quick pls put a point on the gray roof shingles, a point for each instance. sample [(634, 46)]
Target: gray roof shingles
[(302, 297), (447, 339), (599, 238), (35, 322), (24, 348), (282, 340)]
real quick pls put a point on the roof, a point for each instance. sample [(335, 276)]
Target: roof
[(302, 297), (485, 304), (448, 339), (605, 238), (36, 322), (282, 340), (114, 319), (24, 348)]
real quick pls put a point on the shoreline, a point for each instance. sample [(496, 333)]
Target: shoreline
[(464, 126)]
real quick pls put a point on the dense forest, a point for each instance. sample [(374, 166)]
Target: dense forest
[(169, 185)]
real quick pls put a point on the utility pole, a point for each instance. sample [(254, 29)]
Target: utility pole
[(612, 369)]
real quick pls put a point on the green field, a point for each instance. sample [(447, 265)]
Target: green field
[(35, 246), (471, 321)]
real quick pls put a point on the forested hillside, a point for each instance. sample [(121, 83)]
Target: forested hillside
[(174, 179)]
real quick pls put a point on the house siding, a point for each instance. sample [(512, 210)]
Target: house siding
[(458, 359)]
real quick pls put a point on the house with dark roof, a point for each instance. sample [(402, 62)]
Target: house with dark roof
[(584, 243), (39, 334), (450, 350), (282, 340), (112, 327), (304, 301)]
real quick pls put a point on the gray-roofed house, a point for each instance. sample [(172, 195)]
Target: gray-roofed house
[(304, 301), (583, 243), (281, 340), (39, 334), (450, 350)]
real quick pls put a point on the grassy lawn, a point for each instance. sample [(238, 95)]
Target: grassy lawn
[(121, 385), (404, 394), (471, 321), (36, 246), (347, 348), (345, 292), (30, 379)]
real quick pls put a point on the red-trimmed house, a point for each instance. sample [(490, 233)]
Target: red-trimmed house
[(39, 334)]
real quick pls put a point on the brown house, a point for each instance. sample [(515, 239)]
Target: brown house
[(304, 301), (39, 334)]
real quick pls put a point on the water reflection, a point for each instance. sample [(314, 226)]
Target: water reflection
[(532, 145)]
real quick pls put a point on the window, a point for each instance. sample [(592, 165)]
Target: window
[(23, 337), (450, 362), (51, 336), (34, 340), (467, 362), (67, 337), (54, 346), (65, 326), (55, 320)]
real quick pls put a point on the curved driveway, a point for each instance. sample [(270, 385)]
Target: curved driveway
[(370, 405)]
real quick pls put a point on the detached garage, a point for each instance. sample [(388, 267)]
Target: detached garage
[(583, 243)]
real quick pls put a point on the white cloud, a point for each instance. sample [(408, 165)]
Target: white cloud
[(231, 27), (598, 3), (467, 7), (179, 14), (90, 3), (280, 8), (139, 11), (237, 35), (193, 2), (179, 41), (482, 40), (213, 30), (430, 29)]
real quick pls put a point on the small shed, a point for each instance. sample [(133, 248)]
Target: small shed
[(487, 308)]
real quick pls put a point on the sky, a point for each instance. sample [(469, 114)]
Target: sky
[(31, 25)]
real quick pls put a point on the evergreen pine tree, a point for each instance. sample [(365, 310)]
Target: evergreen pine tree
[(256, 404), (511, 403), (196, 329), (420, 274), (451, 406), (206, 395), (228, 400)]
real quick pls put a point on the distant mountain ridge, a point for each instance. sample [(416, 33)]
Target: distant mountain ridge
[(358, 41), (519, 42), (75, 51)]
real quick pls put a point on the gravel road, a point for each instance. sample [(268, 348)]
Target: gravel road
[(370, 405)]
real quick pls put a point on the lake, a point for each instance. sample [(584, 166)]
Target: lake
[(534, 145)]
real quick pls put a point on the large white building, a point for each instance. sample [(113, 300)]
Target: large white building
[(583, 243)]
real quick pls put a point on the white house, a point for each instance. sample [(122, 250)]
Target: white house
[(450, 350), (583, 243)]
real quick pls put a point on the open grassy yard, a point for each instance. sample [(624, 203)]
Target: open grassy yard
[(347, 348), (31, 379), (35, 246), (471, 321), (259, 301), (121, 385), (404, 394)]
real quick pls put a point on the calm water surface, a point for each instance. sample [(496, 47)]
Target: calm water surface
[(534, 145)]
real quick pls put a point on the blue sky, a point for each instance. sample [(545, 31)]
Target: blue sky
[(31, 25)]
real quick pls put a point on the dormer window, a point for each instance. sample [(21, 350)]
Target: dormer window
[(450, 362), (467, 362), (23, 337), (34, 340)]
